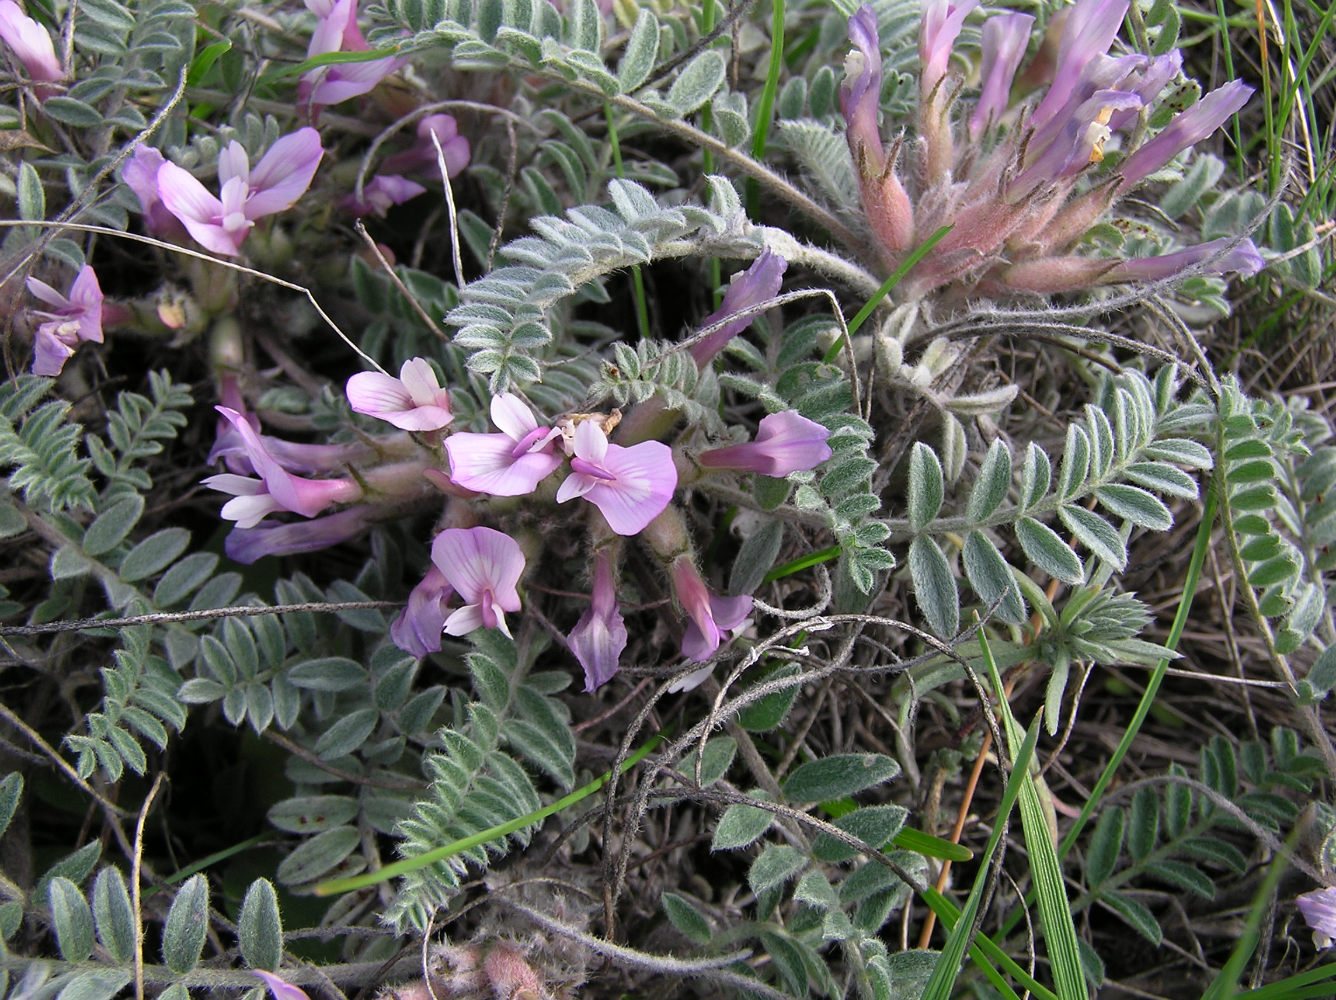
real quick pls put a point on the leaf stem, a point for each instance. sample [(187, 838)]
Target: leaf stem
[(403, 867)]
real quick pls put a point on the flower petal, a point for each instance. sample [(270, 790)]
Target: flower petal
[(279, 988), (198, 210), (377, 394), (477, 560), (645, 481), (284, 173), (50, 351), (484, 463), (512, 417)]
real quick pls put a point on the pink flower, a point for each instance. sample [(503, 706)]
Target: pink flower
[(1022, 192), (74, 318), (417, 630), (276, 489), (748, 289), (303, 459), (337, 31), (483, 566), (785, 442), (31, 43), (600, 635), (711, 616), (278, 180), (509, 464), (630, 486), (140, 175), (884, 198), (281, 989), (422, 154), (414, 401), (382, 193)]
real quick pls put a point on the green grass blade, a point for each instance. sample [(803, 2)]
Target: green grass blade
[(1055, 913), (984, 952), (765, 111), (944, 974), (905, 267), (1226, 983), (1195, 564), (218, 856), (801, 563), (1295, 986)]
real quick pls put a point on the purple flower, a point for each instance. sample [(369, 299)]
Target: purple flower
[(276, 489), (1078, 140), (483, 566), (1145, 76), (860, 93), (1004, 42), (247, 545), (337, 31), (422, 154), (31, 43), (278, 180), (748, 289), (140, 175), (509, 464), (1222, 256), (382, 193), (414, 401), (279, 988), (1192, 126), (1090, 29), (303, 459), (785, 442), (600, 635), (942, 21), (73, 318), (884, 198), (1319, 910), (630, 486), (417, 630), (711, 616)]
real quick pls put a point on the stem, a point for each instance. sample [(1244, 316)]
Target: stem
[(637, 279)]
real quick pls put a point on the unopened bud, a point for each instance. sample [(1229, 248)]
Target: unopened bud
[(510, 976)]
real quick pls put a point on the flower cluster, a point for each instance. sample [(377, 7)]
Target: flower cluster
[(1021, 181), (176, 205), (628, 477)]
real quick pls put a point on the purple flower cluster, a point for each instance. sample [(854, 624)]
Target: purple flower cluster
[(176, 204), (1018, 181), (629, 484)]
